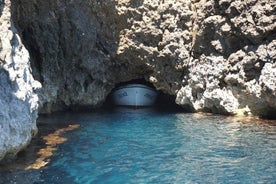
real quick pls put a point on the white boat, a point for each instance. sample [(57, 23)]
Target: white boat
[(136, 95)]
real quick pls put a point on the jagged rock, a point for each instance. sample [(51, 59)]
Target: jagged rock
[(234, 51), (212, 55), (18, 103), (80, 50)]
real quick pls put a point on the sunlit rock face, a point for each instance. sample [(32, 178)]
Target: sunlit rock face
[(212, 55), (233, 66), (18, 102), (81, 49)]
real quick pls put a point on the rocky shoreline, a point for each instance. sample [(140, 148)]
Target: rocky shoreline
[(212, 56)]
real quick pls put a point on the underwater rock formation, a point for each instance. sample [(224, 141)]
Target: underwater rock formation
[(18, 102), (212, 55)]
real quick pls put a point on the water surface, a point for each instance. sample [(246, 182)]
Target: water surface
[(149, 146)]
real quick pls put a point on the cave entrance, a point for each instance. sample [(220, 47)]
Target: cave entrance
[(164, 102)]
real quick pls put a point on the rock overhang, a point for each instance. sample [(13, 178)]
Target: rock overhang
[(204, 54)]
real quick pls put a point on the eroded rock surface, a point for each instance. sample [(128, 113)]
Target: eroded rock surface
[(233, 55), (18, 102), (80, 50), (213, 55)]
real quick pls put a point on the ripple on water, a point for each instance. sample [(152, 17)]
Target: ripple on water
[(144, 146)]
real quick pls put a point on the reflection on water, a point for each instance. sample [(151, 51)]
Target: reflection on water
[(149, 146)]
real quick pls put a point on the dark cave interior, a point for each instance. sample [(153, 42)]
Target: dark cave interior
[(164, 102)]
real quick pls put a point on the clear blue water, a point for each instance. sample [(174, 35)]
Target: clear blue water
[(146, 146)]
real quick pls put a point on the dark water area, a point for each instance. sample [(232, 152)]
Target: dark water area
[(146, 146)]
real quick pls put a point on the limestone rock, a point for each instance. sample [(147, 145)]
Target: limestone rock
[(18, 102), (81, 50), (234, 51), (214, 56)]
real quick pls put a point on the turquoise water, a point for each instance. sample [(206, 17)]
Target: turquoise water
[(148, 146)]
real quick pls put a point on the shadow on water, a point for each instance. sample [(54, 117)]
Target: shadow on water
[(56, 128), (52, 128)]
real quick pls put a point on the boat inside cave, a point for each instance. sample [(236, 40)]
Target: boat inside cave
[(163, 101)]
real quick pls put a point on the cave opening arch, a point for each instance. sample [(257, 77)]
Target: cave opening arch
[(164, 101)]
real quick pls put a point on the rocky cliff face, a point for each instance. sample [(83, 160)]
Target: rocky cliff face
[(233, 70), (18, 103), (213, 55)]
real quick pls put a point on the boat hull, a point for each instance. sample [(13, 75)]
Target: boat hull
[(134, 95)]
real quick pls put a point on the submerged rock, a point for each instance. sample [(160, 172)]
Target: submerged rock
[(18, 102), (213, 56)]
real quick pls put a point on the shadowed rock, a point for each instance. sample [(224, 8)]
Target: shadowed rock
[(212, 56)]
